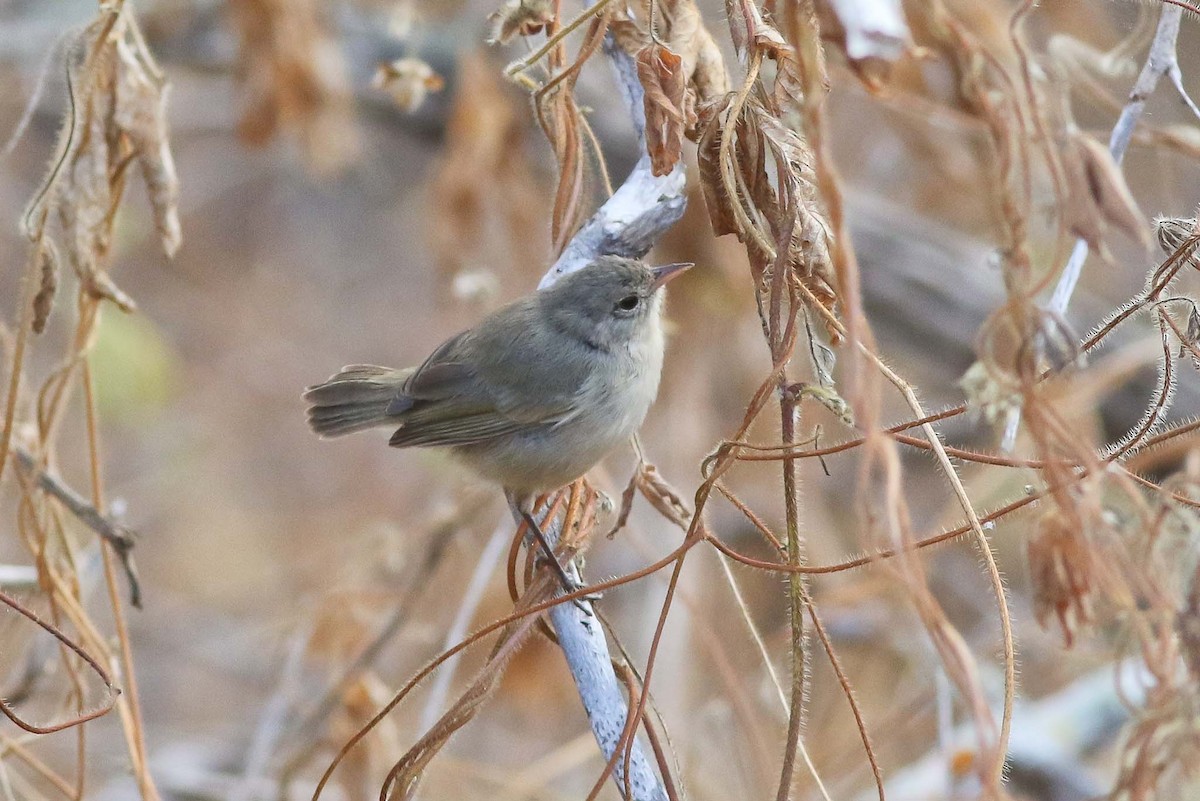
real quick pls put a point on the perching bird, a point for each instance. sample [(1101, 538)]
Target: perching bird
[(534, 395)]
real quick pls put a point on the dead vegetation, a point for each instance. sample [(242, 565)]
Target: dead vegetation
[(1106, 526)]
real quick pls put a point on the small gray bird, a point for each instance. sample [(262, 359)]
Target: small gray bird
[(534, 395)]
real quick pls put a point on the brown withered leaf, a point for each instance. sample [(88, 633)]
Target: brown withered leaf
[(408, 81), (776, 189), (750, 32), (709, 79), (708, 157), (117, 119), (1108, 187), (663, 88), (810, 233), (680, 28), (520, 18)]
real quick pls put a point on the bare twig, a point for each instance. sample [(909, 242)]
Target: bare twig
[(119, 537)]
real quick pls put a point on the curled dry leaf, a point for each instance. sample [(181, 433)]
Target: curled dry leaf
[(662, 496), (721, 214), (1097, 193), (680, 30), (750, 33), (664, 85), (771, 171), (408, 81), (141, 114), (520, 18)]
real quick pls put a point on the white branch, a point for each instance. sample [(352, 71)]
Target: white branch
[(581, 637), (874, 28), (1161, 61), (18, 577)]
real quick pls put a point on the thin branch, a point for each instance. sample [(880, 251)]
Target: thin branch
[(116, 535)]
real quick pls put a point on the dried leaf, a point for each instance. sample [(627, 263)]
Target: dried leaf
[(408, 81), (663, 84), (800, 211), (43, 302), (680, 28), (141, 113), (751, 32), (709, 79), (520, 18), (1097, 193), (100, 285), (1108, 187), (708, 156)]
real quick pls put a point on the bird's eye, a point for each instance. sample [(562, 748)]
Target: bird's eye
[(628, 303)]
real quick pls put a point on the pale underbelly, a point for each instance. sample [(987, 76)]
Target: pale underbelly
[(546, 458)]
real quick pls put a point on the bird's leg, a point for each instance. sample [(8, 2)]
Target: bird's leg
[(569, 583)]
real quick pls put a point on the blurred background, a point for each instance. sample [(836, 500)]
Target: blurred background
[(324, 224)]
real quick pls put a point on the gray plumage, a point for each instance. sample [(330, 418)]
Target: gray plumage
[(534, 395)]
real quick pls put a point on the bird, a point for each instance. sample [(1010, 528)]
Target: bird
[(534, 395)]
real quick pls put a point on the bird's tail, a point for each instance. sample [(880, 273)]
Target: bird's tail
[(354, 399)]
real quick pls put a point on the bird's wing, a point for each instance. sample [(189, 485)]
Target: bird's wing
[(447, 401)]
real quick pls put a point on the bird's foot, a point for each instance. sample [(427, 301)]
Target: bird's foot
[(569, 582)]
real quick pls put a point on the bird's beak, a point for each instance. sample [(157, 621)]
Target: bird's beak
[(666, 272)]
